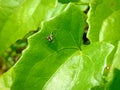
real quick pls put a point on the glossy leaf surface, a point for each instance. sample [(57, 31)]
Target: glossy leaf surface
[(65, 42), (20, 20), (99, 11), (56, 58), (114, 75), (110, 31), (60, 58)]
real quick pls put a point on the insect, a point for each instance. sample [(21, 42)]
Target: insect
[(50, 37)]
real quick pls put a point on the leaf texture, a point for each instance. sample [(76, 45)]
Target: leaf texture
[(99, 11), (20, 20), (54, 54)]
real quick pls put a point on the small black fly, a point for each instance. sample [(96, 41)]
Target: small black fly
[(50, 37)]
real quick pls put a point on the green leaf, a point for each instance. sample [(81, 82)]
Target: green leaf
[(116, 61), (115, 83), (85, 1), (66, 40), (110, 29), (114, 74), (99, 11), (54, 60), (6, 80), (110, 32), (25, 17), (7, 7), (82, 70), (56, 11), (104, 21)]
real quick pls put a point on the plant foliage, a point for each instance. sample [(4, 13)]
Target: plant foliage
[(56, 57)]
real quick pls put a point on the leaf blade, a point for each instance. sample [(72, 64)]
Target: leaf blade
[(63, 45), (96, 17), (22, 20)]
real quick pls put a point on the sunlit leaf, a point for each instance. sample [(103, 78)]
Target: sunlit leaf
[(99, 11), (54, 58), (25, 17), (114, 74)]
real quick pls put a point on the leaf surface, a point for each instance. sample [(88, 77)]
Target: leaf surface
[(114, 75), (7, 7), (6, 80), (99, 11), (82, 70), (20, 20), (110, 32), (54, 59), (65, 41), (104, 21)]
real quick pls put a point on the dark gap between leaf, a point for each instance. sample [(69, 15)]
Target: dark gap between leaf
[(14, 52)]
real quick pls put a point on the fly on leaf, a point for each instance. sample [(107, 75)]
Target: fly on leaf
[(50, 37)]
